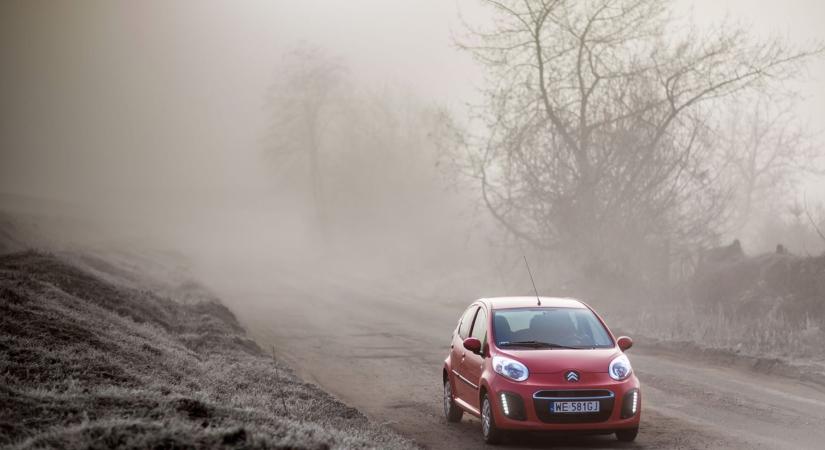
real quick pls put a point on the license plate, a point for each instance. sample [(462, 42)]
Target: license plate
[(574, 407)]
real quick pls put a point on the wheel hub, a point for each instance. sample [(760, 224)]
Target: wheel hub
[(485, 417)]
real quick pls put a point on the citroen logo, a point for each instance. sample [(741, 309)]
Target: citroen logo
[(572, 376)]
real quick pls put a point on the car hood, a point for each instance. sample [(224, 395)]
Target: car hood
[(557, 360)]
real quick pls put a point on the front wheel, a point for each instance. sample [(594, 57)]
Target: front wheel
[(627, 435), (491, 433), (451, 410)]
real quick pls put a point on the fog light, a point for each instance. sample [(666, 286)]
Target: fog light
[(512, 406), (630, 404)]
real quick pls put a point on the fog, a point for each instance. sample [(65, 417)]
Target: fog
[(347, 176), (106, 99), (150, 122), (147, 123)]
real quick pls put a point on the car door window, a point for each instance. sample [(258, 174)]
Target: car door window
[(480, 326), (466, 322)]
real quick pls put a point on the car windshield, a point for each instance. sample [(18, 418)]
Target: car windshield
[(549, 328)]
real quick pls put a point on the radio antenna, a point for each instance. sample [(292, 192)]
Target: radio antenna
[(538, 299)]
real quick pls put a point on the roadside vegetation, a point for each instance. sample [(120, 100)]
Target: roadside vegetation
[(768, 306), (90, 363)]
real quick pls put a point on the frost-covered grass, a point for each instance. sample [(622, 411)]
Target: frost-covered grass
[(767, 335), (87, 363), (766, 306)]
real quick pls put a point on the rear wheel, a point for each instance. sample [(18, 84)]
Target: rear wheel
[(627, 435), (491, 433), (451, 410)]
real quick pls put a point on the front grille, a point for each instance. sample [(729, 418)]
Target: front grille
[(573, 393), (542, 399)]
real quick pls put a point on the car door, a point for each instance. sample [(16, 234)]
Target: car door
[(461, 387), (473, 364)]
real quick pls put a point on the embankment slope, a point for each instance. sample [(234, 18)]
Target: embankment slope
[(86, 362)]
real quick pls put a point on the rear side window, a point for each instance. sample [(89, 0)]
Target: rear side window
[(466, 321)]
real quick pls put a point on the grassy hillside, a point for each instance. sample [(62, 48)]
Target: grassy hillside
[(87, 362)]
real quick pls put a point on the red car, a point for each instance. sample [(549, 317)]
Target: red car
[(540, 364)]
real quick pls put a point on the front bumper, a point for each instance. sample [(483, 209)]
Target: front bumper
[(528, 403)]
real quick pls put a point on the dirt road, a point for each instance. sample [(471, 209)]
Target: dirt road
[(384, 355)]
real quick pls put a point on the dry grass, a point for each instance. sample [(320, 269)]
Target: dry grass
[(767, 306), (769, 335), (86, 363)]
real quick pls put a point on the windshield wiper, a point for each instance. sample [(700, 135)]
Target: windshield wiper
[(537, 344)]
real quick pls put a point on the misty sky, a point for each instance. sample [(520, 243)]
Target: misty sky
[(164, 100)]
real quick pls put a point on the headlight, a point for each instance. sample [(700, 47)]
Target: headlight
[(619, 368), (510, 368)]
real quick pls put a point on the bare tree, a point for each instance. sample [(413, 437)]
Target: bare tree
[(819, 231), (596, 115), (361, 156), (302, 101), (767, 151)]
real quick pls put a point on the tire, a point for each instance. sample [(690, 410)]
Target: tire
[(451, 411), (627, 435), (492, 435)]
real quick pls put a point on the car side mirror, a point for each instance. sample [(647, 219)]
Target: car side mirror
[(624, 343), (472, 344)]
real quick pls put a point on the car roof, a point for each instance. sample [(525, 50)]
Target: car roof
[(530, 302)]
